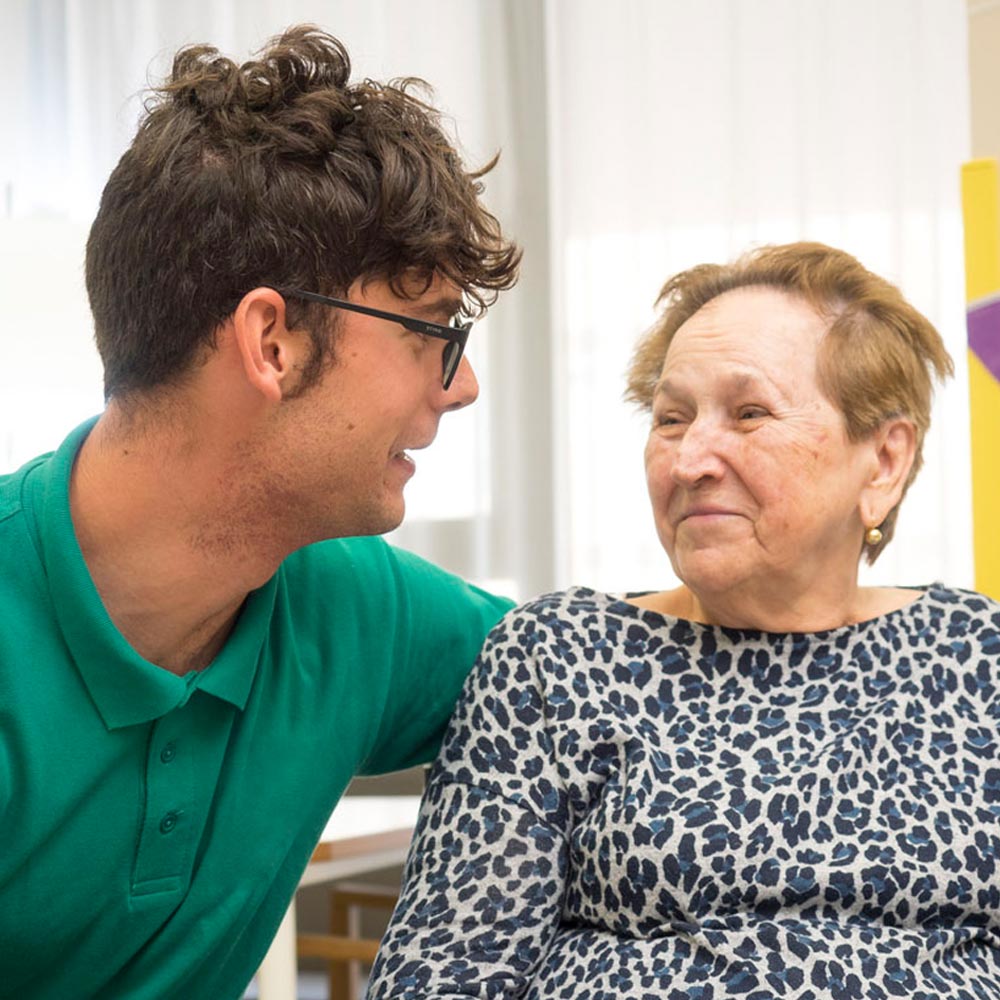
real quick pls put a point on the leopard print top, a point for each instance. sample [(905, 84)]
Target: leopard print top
[(634, 806)]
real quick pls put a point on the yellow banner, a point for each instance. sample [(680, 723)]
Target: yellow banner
[(981, 214)]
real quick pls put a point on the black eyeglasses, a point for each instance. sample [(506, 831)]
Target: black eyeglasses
[(456, 335)]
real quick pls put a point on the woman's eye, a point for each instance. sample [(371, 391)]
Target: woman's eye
[(752, 412), (670, 423)]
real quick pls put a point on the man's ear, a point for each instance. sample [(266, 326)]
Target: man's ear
[(266, 346), (894, 447)]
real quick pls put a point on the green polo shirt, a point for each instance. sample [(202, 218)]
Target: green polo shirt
[(153, 827)]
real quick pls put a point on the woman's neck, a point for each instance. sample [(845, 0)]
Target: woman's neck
[(804, 615)]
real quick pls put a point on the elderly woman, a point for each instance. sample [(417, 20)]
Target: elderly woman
[(769, 781)]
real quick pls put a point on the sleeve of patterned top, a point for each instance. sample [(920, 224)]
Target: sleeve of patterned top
[(484, 882)]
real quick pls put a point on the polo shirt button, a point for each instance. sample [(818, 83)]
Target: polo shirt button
[(168, 753), (168, 822)]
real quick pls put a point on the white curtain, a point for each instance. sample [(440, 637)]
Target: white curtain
[(684, 132), (637, 138)]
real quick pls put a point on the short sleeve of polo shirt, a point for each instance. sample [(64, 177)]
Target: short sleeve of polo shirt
[(409, 629)]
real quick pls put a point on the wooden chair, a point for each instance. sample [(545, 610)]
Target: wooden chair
[(344, 947)]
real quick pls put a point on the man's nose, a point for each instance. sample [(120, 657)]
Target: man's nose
[(464, 388)]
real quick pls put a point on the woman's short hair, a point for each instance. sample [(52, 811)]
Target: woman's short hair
[(277, 172), (878, 359)]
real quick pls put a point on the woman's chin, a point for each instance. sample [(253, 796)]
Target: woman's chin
[(708, 571)]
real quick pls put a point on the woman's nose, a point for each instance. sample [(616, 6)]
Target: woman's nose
[(697, 456)]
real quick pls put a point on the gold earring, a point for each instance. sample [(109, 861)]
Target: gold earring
[(873, 536)]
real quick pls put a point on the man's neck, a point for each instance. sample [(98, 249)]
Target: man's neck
[(172, 547)]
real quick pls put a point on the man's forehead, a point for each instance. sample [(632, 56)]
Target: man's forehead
[(433, 297), (433, 283), (434, 293), (430, 305)]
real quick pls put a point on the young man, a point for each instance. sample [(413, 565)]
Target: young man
[(195, 656)]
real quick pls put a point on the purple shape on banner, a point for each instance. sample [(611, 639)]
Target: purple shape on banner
[(984, 334)]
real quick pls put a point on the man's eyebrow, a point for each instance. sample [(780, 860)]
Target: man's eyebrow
[(446, 306)]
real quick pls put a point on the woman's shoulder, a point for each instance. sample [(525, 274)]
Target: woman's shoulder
[(951, 624), (578, 610), (567, 618), (557, 631), (946, 594), (560, 606), (965, 610), (943, 599)]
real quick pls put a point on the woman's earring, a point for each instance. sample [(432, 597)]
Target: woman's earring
[(873, 536)]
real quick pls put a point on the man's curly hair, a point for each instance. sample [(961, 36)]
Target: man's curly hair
[(277, 172)]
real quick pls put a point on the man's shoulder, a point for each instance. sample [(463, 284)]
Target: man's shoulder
[(12, 487), (22, 576), (365, 561), (10, 495), (367, 577), (23, 488), (364, 571), (355, 559)]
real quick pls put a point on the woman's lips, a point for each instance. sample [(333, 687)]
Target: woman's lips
[(707, 512)]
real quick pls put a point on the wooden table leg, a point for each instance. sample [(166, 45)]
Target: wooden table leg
[(277, 977)]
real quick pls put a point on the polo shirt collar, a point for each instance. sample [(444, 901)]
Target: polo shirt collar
[(125, 688)]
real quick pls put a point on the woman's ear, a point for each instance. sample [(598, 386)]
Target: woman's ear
[(266, 346), (894, 447)]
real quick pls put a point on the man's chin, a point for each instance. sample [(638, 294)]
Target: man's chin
[(388, 519), (375, 520)]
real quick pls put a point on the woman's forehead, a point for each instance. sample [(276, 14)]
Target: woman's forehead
[(754, 317), (748, 336)]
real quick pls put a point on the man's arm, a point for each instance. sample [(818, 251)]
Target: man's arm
[(436, 623)]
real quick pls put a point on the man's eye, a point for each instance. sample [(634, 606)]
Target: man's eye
[(752, 412)]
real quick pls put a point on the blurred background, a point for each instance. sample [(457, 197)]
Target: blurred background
[(636, 139)]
